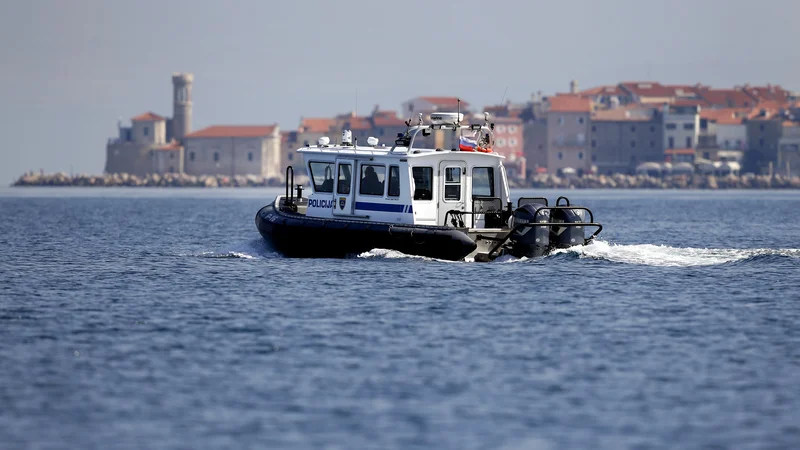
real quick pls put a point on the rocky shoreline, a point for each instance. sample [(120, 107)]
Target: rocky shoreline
[(694, 181), (542, 181), (151, 180)]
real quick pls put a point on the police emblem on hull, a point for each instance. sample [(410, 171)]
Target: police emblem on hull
[(342, 201)]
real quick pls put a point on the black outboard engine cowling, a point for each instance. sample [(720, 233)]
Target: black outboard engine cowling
[(530, 241), (565, 237)]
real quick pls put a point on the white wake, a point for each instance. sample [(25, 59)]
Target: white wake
[(252, 249), (665, 256)]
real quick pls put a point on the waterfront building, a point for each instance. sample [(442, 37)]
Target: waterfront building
[(723, 134), (308, 133), (681, 126), (509, 142), (234, 150), (764, 131), (625, 137), (789, 145), (152, 143), (535, 144), (568, 128), (167, 158)]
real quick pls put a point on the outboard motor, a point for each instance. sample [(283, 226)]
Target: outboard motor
[(565, 237), (530, 241)]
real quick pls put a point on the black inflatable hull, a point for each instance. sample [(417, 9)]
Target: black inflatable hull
[(295, 235)]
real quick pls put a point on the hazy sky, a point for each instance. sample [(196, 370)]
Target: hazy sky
[(71, 68)]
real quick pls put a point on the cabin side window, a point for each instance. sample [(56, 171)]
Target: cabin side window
[(344, 179), (423, 183), (483, 182), (372, 177), (322, 175), (394, 181), (452, 183)]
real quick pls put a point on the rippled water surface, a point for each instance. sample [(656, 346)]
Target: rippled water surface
[(159, 319)]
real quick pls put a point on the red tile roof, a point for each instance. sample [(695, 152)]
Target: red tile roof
[(690, 102), (726, 98), (357, 123), (569, 103), (445, 102), (244, 131), (647, 89), (771, 104), (169, 147), (316, 124), (384, 113), (603, 90), (148, 116), (726, 116), (767, 93)]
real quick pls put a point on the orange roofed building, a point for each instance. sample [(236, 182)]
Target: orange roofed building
[(234, 150), (567, 133)]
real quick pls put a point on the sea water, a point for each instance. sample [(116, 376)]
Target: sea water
[(158, 318)]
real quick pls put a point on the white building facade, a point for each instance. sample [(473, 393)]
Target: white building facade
[(732, 136), (681, 126)]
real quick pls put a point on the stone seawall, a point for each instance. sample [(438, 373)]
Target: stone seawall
[(618, 181), (696, 181), (152, 180)]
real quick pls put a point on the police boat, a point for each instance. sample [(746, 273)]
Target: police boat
[(415, 198)]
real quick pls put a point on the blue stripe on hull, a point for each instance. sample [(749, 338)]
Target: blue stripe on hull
[(385, 207)]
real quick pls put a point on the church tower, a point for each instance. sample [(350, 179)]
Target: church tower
[(182, 105)]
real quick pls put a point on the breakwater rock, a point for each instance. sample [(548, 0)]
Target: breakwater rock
[(542, 181), (695, 181), (151, 180)]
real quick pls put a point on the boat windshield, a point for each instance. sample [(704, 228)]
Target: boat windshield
[(322, 174), (483, 182)]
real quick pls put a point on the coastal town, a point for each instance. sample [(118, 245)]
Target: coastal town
[(631, 134)]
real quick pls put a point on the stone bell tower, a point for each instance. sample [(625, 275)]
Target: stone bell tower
[(182, 105)]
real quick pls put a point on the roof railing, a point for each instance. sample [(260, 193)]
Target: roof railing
[(410, 136)]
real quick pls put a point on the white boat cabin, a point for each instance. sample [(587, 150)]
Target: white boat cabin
[(403, 184)]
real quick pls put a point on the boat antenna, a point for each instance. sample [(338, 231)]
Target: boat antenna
[(458, 118)]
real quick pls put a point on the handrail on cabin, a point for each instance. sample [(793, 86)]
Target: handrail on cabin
[(414, 131)]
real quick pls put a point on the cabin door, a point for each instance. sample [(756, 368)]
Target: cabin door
[(343, 188), (452, 189)]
